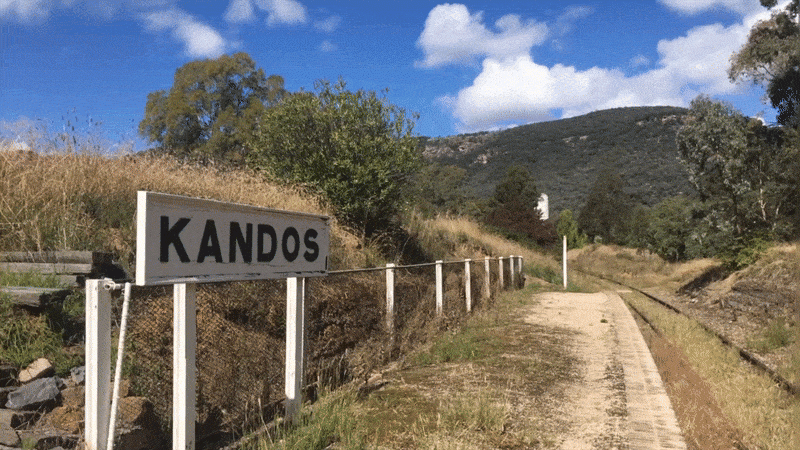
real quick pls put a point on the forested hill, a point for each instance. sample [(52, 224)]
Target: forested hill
[(565, 156)]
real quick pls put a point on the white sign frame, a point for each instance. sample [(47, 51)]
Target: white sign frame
[(190, 240)]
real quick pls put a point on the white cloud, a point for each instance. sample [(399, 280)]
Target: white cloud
[(454, 36), (290, 12), (328, 46), (200, 40), (518, 90), (328, 25), (25, 10), (639, 61), (691, 7)]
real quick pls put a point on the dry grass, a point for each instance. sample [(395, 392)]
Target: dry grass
[(87, 201), (766, 415)]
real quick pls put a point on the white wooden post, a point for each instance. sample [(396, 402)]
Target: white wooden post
[(487, 286), (468, 284), (184, 370), (390, 297), (98, 364), (295, 342), (439, 288), (500, 280), (511, 271), (521, 261), (564, 259)]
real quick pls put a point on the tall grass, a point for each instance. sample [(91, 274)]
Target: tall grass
[(87, 201)]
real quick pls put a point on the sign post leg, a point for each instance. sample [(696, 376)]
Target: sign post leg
[(390, 297), (295, 332), (184, 369), (439, 288), (98, 364), (468, 284)]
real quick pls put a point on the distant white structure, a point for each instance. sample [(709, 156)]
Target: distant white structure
[(544, 206)]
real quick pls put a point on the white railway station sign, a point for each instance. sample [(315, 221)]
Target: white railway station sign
[(189, 240)]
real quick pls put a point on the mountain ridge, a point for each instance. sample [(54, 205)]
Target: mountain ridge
[(565, 156)]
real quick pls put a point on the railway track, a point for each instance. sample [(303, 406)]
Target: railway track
[(747, 356)]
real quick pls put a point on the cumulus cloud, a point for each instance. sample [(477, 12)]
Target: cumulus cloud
[(454, 36), (200, 40), (691, 7), (517, 90), (36, 10), (328, 46), (279, 12)]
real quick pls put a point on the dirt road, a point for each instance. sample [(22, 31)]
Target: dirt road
[(621, 401)]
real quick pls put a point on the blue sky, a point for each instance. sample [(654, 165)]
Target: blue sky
[(463, 67)]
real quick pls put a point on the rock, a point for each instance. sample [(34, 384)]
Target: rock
[(66, 419), (9, 436), (138, 438), (78, 375), (8, 375), (48, 439), (18, 419), (136, 411), (40, 394), (73, 397), (40, 368), (4, 391)]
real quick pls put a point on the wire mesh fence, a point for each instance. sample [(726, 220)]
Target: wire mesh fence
[(241, 350)]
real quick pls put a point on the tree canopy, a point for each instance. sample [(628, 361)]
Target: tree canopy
[(771, 57), (355, 148), (211, 108)]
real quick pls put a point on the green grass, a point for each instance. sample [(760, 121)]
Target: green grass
[(467, 344), (776, 335), (30, 279), (25, 337)]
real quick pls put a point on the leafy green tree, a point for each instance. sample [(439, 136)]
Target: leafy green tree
[(517, 186), (607, 209), (211, 109), (738, 166), (670, 228), (355, 148), (568, 226), (440, 189), (771, 57)]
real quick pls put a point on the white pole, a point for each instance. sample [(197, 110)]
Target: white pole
[(564, 259), (519, 268), (500, 273), (468, 284), (439, 289), (98, 364), (487, 286), (126, 299), (511, 271), (295, 333), (184, 370), (390, 297)]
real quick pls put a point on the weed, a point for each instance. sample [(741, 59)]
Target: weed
[(479, 412), (777, 334)]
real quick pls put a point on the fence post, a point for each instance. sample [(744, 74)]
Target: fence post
[(439, 288), (183, 365), (564, 259), (500, 280), (98, 364), (511, 271), (295, 333), (487, 286), (468, 284), (390, 297), (519, 268)]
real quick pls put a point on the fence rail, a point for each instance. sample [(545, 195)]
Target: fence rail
[(98, 307)]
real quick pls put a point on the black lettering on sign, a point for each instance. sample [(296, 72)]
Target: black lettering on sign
[(209, 244), (172, 236), (262, 230), (290, 255), (244, 242), (313, 248)]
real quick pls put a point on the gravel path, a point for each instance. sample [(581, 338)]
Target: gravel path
[(620, 402)]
